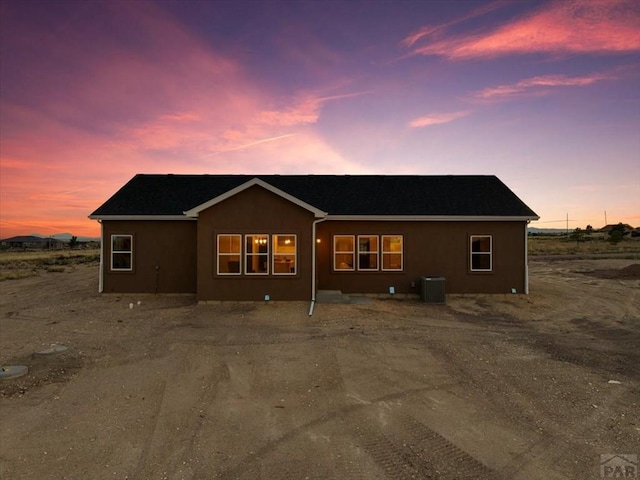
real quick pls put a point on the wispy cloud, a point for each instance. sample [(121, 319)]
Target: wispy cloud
[(437, 29), (302, 111), (437, 119), (253, 144), (538, 86), (579, 26), (175, 105)]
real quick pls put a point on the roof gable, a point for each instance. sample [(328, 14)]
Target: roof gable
[(362, 196), (193, 212)]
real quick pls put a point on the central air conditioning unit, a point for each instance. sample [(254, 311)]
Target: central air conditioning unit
[(432, 289)]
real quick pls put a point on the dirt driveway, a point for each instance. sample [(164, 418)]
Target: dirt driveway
[(486, 387)]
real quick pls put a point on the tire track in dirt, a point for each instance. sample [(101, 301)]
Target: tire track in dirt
[(192, 382), (511, 398), (438, 456), (397, 444)]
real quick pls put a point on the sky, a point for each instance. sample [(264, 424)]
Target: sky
[(543, 94)]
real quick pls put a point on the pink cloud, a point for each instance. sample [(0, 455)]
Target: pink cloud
[(587, 26), (303, 111), (538, 85), (254, 143), (176, 106), (434, 30), (437, 119)]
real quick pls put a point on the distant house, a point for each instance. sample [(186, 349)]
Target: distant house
[(243, 237), (32, 242), (607, 228)]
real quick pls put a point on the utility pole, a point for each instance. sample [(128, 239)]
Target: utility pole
[(605, 218), (567, 224)]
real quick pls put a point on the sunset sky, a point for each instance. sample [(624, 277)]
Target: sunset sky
[(545, 95)]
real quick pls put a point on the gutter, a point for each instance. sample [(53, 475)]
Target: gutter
[(313, 263), (526, 257), (102, 240)]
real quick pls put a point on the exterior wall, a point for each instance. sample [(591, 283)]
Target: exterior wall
[(169, 245), (185, 252), (254, 211), (430, 249)]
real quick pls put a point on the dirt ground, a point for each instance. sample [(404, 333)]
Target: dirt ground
[(485, 387)]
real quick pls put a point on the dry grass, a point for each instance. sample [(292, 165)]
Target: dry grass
[(560, 245), (21, 264)]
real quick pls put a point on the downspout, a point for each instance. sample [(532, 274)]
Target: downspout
[(313, 263), (100, 284), (526, 257)]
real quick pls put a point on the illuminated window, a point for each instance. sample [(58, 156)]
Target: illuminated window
[(284, 254), (256, 254), (392, 252), (481, 253), (367, 252), (343, 253), (229, 254), (122, 253)]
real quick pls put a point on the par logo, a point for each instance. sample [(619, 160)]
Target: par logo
[(619, 465)]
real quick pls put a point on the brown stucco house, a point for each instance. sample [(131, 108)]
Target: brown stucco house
[(246, 237)]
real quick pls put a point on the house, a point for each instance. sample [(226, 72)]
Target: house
[(32, 242), (626, 228), (245, 237)]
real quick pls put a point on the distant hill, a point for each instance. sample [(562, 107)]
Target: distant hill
[(547, 231), (65, 237)]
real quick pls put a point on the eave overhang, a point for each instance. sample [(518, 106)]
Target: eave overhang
[(344, 218), (431, 218), (140, 217)]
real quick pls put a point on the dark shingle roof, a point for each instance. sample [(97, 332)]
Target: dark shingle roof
[(465, 195)]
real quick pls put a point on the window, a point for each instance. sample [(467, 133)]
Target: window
[(343, 252), (229, 254), (284, 254), (122, 253), (375, 252), (392, 252), (367, 252), (253, 256), (481, 253), (256, 254)]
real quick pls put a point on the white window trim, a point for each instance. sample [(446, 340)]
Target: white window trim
[(130, 252), (274, 254), (336, 252), (218, 254), (401, 253), (489, 253), (377, 252), (246, 254)]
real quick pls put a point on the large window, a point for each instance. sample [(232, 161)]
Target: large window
[(392, 252), (343, 253), (229, 254), (256, 252), (122, 253), (481, 253), (367, 252), (284, 254), (373, 252)]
